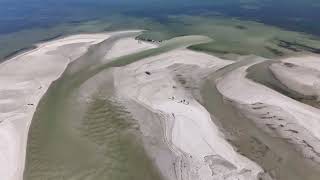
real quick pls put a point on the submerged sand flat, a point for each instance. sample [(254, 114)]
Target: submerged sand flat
[(282, 118), (121, 108), (200, 149), (90, 132), (24, 79)]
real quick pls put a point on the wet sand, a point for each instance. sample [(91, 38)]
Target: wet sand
[(24, 79), (81, 131), (158, 83), (275, 155), (78, 131), (121, 101), (262, 74)]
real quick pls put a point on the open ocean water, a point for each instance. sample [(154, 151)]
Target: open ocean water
[(16, 15), (26, 22)]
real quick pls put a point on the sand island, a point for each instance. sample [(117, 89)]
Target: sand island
[(114, 106)]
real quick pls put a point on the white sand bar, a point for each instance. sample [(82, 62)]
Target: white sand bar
[(301, 74), (23, 81), (189, 131), (279, 114)]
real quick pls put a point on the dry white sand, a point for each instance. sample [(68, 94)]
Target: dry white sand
[(23, 81), (277, 114), (190, 133), (301, 74), (308, 61)]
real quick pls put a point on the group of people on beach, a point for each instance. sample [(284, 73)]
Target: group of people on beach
[(181, 101)]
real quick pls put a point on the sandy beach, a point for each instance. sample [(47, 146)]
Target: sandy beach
[(159, 86), (24, 79), (300, 74), (202, 151), (274, 113), (262, 99)]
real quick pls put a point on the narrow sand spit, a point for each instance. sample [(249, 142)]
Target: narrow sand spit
[(276, 114), (23, 81), (200, 148), (161, 94), (128, 46), (301, 74)]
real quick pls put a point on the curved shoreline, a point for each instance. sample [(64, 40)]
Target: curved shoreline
[(157, 84), (282, 129), (19, 75), (201, 149), (61, 116)]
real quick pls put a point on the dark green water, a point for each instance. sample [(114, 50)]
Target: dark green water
[(91, 137), (23, 14), (230, 35), (60, 129)]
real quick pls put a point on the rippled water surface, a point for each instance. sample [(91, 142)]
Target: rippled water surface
[(79, 131)]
